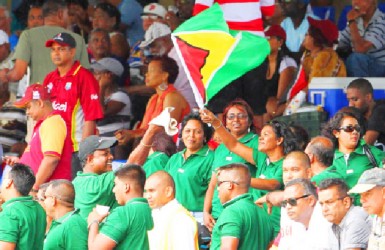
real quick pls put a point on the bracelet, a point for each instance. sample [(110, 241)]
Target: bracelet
[(145, 145), (93, 222), (220, 124)]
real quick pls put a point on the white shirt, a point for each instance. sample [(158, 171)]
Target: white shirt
[(294, 235), (174, 228)]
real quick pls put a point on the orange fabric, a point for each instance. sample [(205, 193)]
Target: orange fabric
[(154, 110)]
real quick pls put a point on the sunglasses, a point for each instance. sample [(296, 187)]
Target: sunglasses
[(351, 128), (240, 116), (293, 201)]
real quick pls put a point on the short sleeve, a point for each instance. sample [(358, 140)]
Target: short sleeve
[(114, 228), (9, 227), (23, 49), (53, 132), (287, 62), (230, 227), (89, 96), (120, 96)]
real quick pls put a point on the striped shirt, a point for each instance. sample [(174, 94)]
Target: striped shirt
[(245, 15), (374, 33)]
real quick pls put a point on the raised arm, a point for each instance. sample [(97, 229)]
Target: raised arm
[(228, 139)]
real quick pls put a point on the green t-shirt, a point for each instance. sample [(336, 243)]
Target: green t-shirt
[(31, 49), (268, 170), (244, 220), (23, 221), (326, 174), (67, 232), (128, 225), (155, 162), (356, 163), (92, 189), (192, 177), (224, 156)]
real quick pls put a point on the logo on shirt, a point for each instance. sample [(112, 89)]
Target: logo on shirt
[(50, 86), (59, 106), (94, 97), (68, 86)]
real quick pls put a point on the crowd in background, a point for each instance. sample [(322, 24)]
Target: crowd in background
[(90, 160)]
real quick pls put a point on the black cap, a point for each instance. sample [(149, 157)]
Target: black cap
[(64, 39), (92, 143)]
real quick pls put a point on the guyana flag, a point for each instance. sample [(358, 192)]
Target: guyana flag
[(212, 55)]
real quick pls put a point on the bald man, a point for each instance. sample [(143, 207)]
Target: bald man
[(242, 224), (174, 226), (68, 229), (295, 165), (321, 153)]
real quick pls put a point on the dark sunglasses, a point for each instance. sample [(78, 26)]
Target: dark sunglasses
[(351, 128), (293, 201)]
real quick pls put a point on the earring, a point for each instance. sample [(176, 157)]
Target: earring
[(163, 86)]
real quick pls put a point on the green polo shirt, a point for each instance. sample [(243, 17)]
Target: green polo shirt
[(92, 189), (128, 225), (356, 163), (268, 170), (155, 162), (192, 177), (224, 156), (23, 221), (326, 174), (67, 232), (244, 220)]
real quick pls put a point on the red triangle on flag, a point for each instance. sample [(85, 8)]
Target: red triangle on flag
[(195, 59)]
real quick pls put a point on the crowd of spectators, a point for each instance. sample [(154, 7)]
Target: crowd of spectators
[(84, 165)]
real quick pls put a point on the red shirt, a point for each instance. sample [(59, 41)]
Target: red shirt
[(76, 97), (50, 137)]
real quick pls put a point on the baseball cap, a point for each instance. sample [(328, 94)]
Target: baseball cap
[(155, 31), (92, 143), (368, 180), (34, 92), (109, 64), (328, 29), (64, 39), (154, 9), (276, 30), (3, 37)]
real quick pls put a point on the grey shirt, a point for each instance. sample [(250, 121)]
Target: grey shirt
[(353, 231)]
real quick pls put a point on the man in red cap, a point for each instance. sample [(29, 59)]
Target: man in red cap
[(74, 92), (49, 151)]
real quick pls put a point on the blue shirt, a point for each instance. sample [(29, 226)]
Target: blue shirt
[(131, 11), (296, 35)]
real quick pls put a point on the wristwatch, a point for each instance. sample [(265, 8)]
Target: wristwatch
[(350, 22)]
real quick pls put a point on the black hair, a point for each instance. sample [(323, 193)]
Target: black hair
[(282, 130), (340, 184), (133, 173), (208, 131), (23, 178), (111, 11), (362, 84), (168, 65)]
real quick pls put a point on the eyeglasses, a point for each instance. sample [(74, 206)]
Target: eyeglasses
[(221, 182), (56, 197), (240, 116), (351, 128), (293, 201)]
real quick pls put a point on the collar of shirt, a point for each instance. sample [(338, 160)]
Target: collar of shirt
[(237, 198)]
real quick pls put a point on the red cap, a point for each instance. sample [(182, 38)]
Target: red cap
[(34, 92), (276, 30), (328, 29), (64, 39)]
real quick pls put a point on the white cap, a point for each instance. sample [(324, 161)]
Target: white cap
[(155, 31), (3, 37), (154, 9), (109, 64)]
